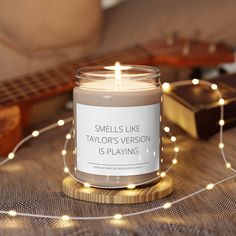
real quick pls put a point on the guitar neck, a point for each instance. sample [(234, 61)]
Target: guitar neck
[(40, 85), (184, 53)]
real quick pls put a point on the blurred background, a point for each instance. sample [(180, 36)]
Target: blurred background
[(42, 43), (35, 35)]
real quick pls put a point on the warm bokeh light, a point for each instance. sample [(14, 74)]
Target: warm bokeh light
[(214, 86), (35, 133), (166, 129), (221, 145), (63, 152), (61, 122), (176, 149), (167, 205), (12, 213), (165, 87), (131, 186), (11, 155), (65, 217), (87, 185), (163, 174), (221, 101), (174, 161), (228, 165), (221, 122), (117, 216), (195, 81), (210, 186)]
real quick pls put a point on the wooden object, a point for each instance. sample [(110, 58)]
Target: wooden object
[(188, 53), (74, 189), (196, 109), (10, 128), (26, 90)]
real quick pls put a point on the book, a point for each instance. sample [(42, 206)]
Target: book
[(196, 109)]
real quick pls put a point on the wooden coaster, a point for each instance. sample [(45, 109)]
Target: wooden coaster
[(76, 190)]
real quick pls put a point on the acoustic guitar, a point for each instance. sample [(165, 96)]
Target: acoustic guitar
[(18, 95)]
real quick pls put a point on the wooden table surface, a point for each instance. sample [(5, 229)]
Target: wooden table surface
[(32, 183)]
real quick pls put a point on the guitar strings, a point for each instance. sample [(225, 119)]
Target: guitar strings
[(138, 52)]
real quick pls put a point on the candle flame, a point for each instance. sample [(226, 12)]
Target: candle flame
[(117, 71), (122, 67), (117, 68)]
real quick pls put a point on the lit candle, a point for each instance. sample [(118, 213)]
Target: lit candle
[(117, 111)]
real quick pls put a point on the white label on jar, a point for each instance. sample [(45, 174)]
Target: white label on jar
[(118, 141)]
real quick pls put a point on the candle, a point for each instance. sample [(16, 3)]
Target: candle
[(117, 111)]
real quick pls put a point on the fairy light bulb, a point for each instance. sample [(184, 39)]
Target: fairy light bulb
[(66, 170), (221, 145), (163, 174), (195, 81), (228, 165), (117, 216), (176, 149), (174, 161), (173, 138), (12, 213), (210, 186), (131, 186), (167, 129), (214, 87), (221, 122), (68, 136), (65, 217), (87, 185), (61, 122), (11, 155), (166, 87), (35, 133), (221, 101), (167, 205), (63, 152)]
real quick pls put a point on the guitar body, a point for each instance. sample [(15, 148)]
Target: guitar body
[(10, 128), (13, 119)]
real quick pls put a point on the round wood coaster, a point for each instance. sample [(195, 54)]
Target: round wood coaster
[(76, 190)]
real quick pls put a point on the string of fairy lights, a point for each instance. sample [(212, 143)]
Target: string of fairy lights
[(166, 88)]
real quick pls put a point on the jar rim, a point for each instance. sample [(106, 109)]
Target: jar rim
[(136, 72)]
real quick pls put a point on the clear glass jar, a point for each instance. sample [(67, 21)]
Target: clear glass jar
[(117, 115)]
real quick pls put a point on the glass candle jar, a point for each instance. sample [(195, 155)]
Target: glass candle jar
[(117, 116)]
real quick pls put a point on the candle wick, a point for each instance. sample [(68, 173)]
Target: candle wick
[(117, 71), (117, 75)]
